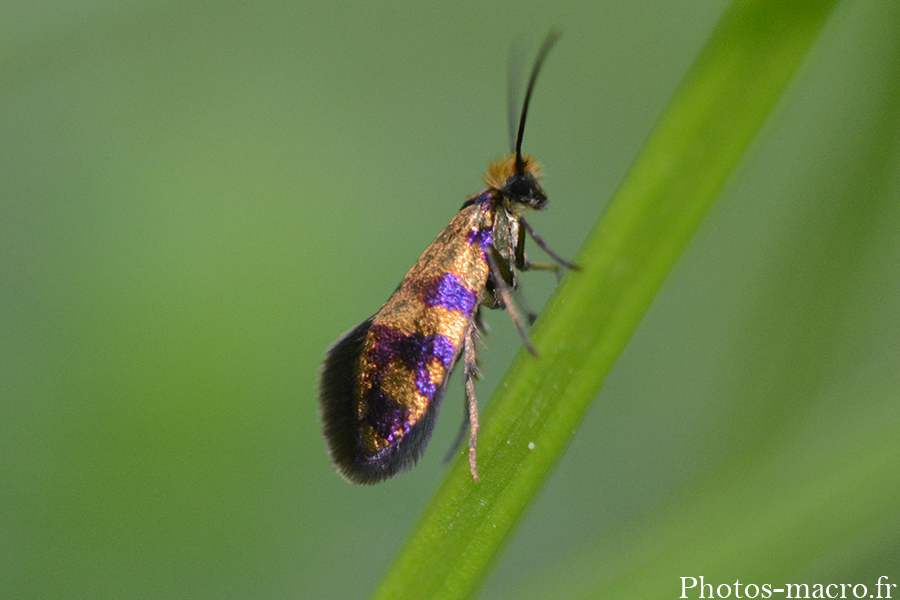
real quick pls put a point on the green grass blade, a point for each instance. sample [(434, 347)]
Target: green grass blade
[(809, 508), (709, 124)]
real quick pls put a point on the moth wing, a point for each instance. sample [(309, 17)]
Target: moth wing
[(341, 402)]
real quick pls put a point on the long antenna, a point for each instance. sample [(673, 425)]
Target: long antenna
[(517, 52), (542, 54)]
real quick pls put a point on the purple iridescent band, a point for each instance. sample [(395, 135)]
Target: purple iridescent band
[(388, 415), (482, 237), (413, 350), (447, 292)]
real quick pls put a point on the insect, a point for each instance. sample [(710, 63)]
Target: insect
[(383, 382)]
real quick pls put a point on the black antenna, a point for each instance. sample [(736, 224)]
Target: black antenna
[(517, 51), (542, 54)]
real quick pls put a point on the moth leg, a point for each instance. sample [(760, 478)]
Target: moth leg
[(543, 246), (470, 373), (530, 266), (502, 288), (530, 313), (481, 326), (523, 264)]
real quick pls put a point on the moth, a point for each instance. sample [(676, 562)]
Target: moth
[(382, 383)]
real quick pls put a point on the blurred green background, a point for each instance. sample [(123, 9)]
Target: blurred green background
[(196, 199)]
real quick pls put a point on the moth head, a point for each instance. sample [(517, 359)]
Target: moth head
[(517, 179)]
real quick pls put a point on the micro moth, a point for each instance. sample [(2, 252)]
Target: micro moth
[(382, 382)]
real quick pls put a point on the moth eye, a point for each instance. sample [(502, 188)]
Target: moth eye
[(518, 186)]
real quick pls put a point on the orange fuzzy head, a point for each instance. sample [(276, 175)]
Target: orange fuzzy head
[(518, 180)]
